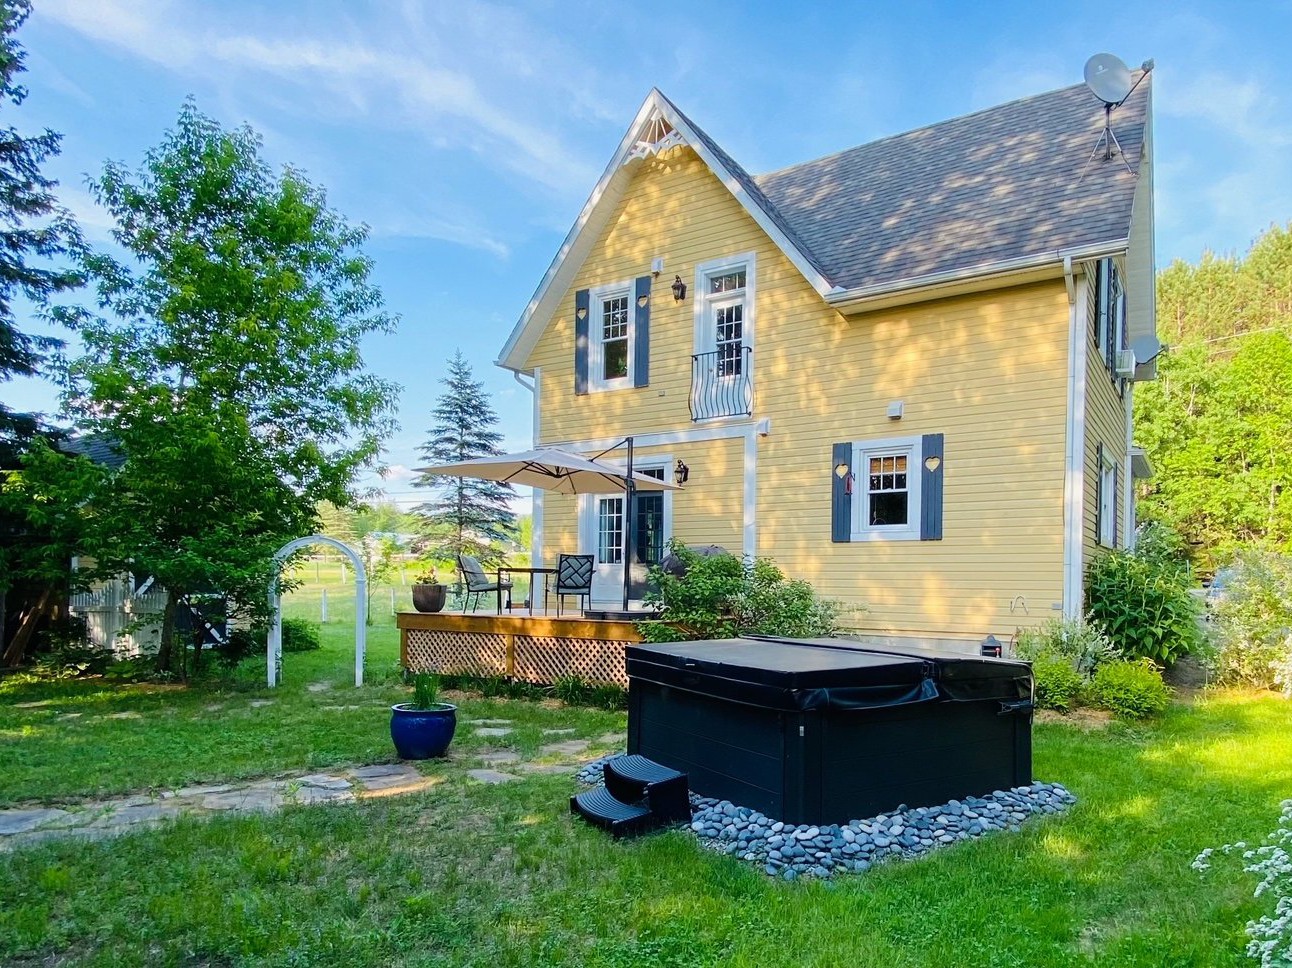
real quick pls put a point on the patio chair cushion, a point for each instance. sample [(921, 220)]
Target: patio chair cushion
[(574, 574), (476, 579)]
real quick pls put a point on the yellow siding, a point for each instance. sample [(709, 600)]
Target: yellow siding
[(987, 370)]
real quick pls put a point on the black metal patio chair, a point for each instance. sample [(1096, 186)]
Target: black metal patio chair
[(476, 582), (573, 577)]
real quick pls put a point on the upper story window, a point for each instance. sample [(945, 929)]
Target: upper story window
[(1110, 312), (724, 326), (886, 504), (611, 344)]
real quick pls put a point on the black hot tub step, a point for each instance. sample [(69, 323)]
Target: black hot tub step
[(601, 809), (636, 779)]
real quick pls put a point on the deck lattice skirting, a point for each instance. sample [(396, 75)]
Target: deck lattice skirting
[(539, 649)]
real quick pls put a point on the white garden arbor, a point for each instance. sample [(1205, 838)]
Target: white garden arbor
[(275, 649)]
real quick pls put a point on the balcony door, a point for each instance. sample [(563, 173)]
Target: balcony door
[(601, 534)]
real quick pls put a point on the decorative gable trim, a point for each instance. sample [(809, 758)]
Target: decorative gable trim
[(659, 125)]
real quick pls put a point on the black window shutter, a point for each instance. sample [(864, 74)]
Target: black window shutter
[(581, 324), (1099, 493), (931, 472), (641, 332), (840, 493), (1110, 348)]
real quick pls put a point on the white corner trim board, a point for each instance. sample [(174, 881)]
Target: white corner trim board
[(1074, 477)]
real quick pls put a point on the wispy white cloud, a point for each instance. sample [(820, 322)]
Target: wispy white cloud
[(414, 74)]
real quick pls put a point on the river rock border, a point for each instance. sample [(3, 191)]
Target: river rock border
[(791, 851)]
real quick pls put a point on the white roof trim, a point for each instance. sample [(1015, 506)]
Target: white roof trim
[(544, 304)]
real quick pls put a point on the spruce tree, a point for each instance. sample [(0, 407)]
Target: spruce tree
[(33, 229), (466, 515)]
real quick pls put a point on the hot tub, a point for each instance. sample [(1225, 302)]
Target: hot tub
[(825, 731)]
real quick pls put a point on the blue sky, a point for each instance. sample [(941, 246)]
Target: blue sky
[(467, 135)]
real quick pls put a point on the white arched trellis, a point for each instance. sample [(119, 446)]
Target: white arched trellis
[(360, 612)]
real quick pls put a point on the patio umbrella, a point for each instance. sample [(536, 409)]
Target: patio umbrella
[(551, 469)]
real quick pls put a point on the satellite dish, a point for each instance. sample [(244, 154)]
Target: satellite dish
[(1146, 348), (1109, 78)]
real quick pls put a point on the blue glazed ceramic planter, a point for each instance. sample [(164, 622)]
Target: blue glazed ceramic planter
[(420, 734)]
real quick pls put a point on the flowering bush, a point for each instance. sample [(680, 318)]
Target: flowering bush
[(1271, 934), (1252, 622)]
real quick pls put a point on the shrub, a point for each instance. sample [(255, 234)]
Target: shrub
[(1084, 645), (64, 650), (720, 597), (1271, 934), (1058, 683), (1252, 623), (1130, 688), (300, 635), (1144, 604), (426, 691)]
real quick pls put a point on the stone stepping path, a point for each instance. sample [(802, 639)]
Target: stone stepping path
[(101, 819)]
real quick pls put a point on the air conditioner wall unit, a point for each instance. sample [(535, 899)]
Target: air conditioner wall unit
[(1126, 363)]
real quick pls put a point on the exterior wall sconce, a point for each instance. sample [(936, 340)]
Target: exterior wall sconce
[(681, 473), (679, 292)]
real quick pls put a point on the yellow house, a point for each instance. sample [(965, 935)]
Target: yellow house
[(903, 371)]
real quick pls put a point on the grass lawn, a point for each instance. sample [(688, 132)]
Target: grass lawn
[(472, 875)]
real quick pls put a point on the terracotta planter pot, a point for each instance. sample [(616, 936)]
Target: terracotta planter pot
[(429, 598)]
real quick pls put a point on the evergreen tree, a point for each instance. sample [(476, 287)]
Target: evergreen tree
[(32, 229), (466, 515)]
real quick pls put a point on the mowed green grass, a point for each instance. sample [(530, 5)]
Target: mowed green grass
[(473, 875)]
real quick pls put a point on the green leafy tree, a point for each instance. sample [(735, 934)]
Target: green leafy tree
[(1217, 421), (227, 367), (34, 233), (466, 515)]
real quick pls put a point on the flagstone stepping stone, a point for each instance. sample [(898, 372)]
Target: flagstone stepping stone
[(215, 707), (493, 731), (20, 821), (128, 714), (261, 703), (544, 768), (340, 709), (487, 722), (309, 795), (251, 800), (199, 791), (70, 716), (610, 739), (499, 758), (319, 686), (324, 781), (143, 813), (33, 705), (571, 747), (491, 776), (380, 771), (559, 732)]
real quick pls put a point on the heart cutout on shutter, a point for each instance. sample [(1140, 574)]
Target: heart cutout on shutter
[(643, 300), (581, 313), (932, 463)]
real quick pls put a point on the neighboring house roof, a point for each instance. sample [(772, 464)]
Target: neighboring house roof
[(98, 449), (999, 188)]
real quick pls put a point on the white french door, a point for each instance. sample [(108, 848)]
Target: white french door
[(601, 534)]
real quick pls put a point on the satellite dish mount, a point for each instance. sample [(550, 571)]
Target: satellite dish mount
[(1111, 81)]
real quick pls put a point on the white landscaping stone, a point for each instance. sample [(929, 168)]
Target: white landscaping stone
[(495, 731), (491, 776)]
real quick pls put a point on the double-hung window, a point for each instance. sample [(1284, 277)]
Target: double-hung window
[(886, 489), (1107, 500), (721, 383), (611, 343)]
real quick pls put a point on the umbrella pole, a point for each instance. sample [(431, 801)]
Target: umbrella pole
[(629, 490)]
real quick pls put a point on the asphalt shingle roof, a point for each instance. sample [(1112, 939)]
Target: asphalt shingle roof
[(996, 185), (101, 450)]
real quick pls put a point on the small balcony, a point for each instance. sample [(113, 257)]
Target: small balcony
[(722, 383)]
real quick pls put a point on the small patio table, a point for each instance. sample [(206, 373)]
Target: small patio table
[(513, 569)]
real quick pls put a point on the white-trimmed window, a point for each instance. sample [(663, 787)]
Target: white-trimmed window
[(1107, 501), (610, 346), (725, 313), (886, 489)]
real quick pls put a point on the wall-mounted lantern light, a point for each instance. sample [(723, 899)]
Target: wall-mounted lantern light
[(679, 289), (681, 473)]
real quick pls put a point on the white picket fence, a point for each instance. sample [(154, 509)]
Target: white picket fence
[(112, 608)]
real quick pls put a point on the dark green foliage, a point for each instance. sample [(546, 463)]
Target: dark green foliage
[(300, 635), (466, 515), (720, 598), (426, 691), (1217, 421), (1133, 689), (228, 368), (1058, 683), (64, 650), (33, 231), (1082, 645), (576, 691), (1143, 603), (1252, 622)]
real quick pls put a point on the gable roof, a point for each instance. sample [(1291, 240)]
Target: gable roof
[(1011, 185), (999, 185)]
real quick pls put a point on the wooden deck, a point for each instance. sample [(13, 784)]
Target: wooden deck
[(539, 648)]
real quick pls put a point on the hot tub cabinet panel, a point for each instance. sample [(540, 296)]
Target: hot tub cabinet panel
[(824, 732)]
